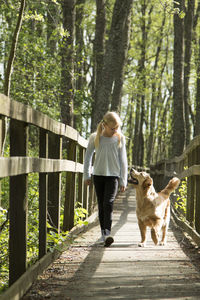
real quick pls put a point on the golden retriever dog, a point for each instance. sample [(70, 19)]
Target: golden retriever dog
[(152, 209)]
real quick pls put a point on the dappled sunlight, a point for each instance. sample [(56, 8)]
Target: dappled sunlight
[(123, 270)]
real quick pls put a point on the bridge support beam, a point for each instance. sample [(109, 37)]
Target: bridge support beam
[(18, 204), (70, 192), (54, 182), (43, 196)]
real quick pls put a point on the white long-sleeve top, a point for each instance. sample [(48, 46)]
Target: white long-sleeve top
[(110, 158)]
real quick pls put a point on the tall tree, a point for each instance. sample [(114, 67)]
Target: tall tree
[(9, 69), (7, 81), (137, 130), (138, 146), (79, 63), (188, 26), (197, 114), (67, 68), (120, 60), (52, 23), (178, 125), (129, 114), (99, 50), (153, 106), (122, 10)]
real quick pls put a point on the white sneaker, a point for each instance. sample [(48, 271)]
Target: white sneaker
[(102, 238)]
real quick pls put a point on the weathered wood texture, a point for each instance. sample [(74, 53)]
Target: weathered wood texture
[(43, 195), (51, 168), (186, 166), (70, 195), (18, 203)]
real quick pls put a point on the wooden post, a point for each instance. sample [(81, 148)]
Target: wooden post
[(85, 191), (197, 191), (2, 137), (18, 204), (54, 182), (190, 193), (70, 190), (43, 196), (2, 134), (80, 178)]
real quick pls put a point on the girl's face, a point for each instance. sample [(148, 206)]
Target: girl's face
[(110, 129)]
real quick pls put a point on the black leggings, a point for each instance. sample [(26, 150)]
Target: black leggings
[(106, 189)]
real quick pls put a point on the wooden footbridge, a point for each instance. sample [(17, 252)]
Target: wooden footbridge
[(88, 270), (82, 268)]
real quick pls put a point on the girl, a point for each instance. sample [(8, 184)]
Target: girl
[(109, 170)]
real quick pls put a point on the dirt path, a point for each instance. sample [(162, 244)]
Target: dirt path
[(123, 271)]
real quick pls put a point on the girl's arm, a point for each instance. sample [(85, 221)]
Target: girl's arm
[(88, 160), (123, 165)]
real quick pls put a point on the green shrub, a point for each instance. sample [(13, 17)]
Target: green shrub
[(180, 204)]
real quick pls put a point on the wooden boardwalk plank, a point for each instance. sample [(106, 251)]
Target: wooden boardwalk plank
[(123, 271)]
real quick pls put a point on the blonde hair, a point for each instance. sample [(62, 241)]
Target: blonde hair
[(109, 118)]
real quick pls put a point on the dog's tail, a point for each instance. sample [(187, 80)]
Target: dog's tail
[(172, 185)]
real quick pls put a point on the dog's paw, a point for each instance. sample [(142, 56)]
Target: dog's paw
[(141, 244), (162, 243)]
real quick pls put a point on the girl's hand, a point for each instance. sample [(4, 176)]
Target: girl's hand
[(122, 188), (88, 181)]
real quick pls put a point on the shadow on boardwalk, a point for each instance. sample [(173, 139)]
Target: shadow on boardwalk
[(87, 270)]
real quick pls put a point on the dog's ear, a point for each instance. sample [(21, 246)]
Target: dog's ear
[(147, 183)]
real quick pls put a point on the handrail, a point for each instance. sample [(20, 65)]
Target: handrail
[(21, 112), (50, 167), (186, 166)]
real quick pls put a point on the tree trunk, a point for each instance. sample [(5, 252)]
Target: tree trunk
[(120, 61), (103, 96), (67, 72), (136, 145), (141, 134), (79, 65), (188, 25), (52, 17), (161, 149), (9, 68), (138, 150), (130, 131), (196, 16), (99, 52), (197, 115), (154, 99), (8, 72), (178, 125)]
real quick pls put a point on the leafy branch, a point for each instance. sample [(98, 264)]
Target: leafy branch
[(6, 221)]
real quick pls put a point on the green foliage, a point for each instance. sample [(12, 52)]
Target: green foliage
[(33, 219), (181, 200), (80, 214), (82, 111), (54, 239), (4, 249)]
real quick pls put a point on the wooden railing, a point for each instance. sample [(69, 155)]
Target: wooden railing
[(50, 166), (186, 167)]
